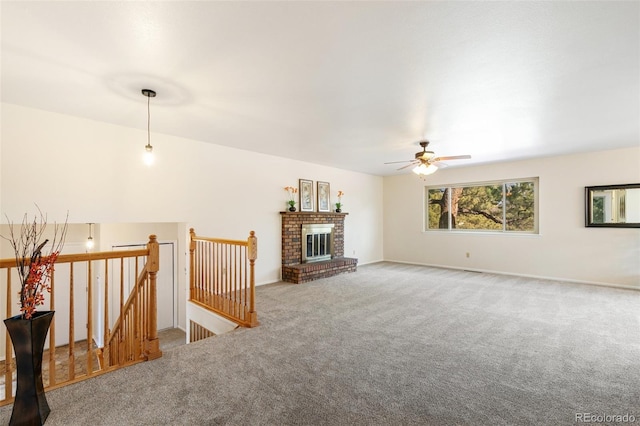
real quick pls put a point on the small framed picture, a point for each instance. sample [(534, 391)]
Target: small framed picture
[(324, 203), (306, 195)]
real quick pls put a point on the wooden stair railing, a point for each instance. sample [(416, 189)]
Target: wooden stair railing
[(222, 277), (133, 337)]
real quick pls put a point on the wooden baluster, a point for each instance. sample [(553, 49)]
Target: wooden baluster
[(234, 278), (238, 254), (209, 279), (153, 265), (52, 331), (225, 268), (89, 361), (206, 282), (8, 371), (133, 339), (106, 335), (224, 248), (233, 252), (205, 279), (121, 344), (128, 337), (218, 272), (212, 280), (72, 358), (227, 281), (245, 284), (224, 282), (215, 267), (202, 280), (215, 261), (144, 300), (221, 283), (135, 330)]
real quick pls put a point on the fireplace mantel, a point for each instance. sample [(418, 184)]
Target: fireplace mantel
[(293, 270), (315, 213)]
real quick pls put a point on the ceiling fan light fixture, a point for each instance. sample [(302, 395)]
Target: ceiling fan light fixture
[(427, 162), (424, 170)]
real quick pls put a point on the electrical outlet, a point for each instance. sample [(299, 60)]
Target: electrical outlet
[(468, 254)]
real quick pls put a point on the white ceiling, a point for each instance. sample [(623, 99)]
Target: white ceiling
[(347, 84)]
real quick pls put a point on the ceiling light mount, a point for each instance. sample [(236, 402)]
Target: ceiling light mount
[(149, 93)]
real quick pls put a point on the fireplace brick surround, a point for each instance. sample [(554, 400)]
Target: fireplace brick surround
[(293, 270)]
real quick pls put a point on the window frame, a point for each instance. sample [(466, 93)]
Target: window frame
[(501, 182)]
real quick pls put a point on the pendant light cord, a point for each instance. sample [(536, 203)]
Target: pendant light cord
[(148, 121)]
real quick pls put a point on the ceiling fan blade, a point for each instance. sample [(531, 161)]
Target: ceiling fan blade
[(451, 157), (438, 164), (396, 162), (408, 165)]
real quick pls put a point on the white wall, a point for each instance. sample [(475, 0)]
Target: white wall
[(94, 170), (564, 249)]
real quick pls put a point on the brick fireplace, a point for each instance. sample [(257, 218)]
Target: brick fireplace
[(296, 271)]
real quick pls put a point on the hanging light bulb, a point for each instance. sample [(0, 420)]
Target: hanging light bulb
[(148, 154), (90, 239)]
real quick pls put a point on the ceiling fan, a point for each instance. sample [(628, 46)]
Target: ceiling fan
[(426, 162)]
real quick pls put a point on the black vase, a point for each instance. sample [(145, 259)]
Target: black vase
[(292, 209), (28, 335), (338, 210)]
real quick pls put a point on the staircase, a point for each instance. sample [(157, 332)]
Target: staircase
[(90, 289)]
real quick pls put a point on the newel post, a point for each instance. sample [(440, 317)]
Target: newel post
[(192, 262), (252, 253), (153, 265)]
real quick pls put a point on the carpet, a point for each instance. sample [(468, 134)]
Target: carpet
[(391, 344)]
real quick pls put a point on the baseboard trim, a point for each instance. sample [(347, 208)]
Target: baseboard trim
[(541, 277)]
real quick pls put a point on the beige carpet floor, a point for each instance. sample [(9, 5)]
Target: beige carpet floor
[(391, 344)]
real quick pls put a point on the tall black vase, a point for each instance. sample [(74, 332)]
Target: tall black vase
[(28, 335)]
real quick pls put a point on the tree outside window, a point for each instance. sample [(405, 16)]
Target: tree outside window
[(507, 206)]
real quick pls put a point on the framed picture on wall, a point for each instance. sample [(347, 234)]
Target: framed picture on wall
[(306, 195), (324, 202)]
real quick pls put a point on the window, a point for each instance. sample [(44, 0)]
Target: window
[(504, 206)]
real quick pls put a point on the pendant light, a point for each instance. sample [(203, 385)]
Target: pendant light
[(148, 155), (90, 239)]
